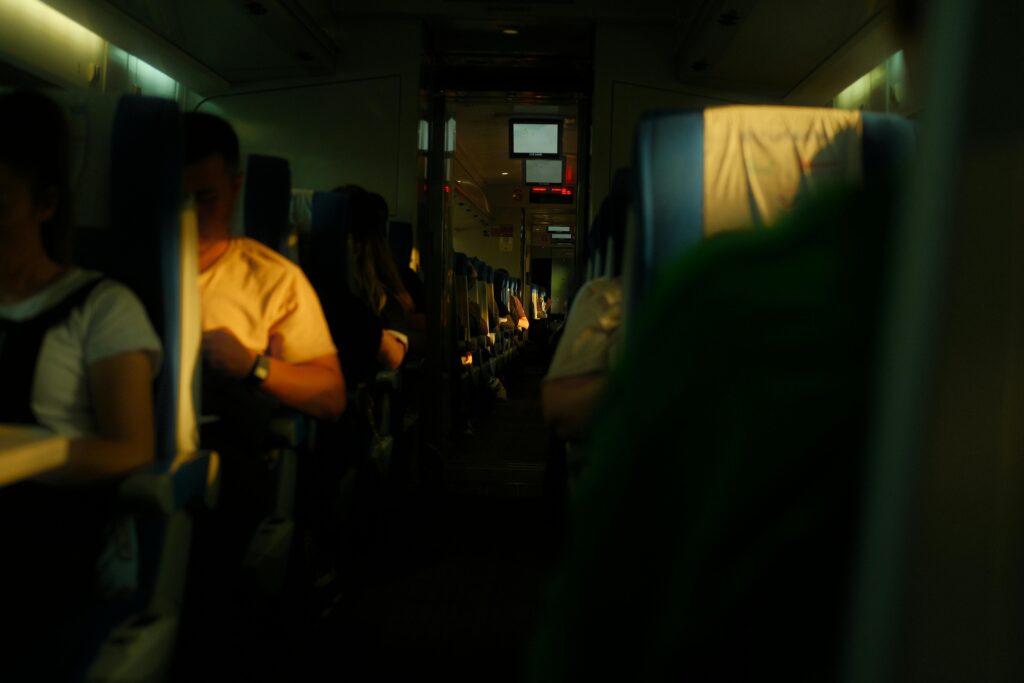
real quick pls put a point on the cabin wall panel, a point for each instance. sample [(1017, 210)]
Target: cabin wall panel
[(358, 127)]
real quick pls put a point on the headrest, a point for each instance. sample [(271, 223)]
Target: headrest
[(489, 274), (459, 263), (400, 237), (618, 216), (698, 173), (268, 196), (760, 161)]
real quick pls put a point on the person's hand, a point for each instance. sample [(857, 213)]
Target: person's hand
[(224, 352)]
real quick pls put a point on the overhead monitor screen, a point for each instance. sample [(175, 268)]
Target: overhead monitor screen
[(543, 171), (534, 138)]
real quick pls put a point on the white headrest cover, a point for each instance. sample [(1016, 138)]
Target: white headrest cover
[(760, 161)]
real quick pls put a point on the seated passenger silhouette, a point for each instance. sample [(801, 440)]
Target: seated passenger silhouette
[(262, 322), (378, 284), (77, 356), (577, 378), (518, 312)]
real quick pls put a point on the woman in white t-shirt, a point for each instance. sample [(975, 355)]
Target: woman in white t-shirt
[(92, 374), (77, 356)]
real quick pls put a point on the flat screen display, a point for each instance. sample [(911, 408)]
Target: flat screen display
[(543, 171), (534, 138)]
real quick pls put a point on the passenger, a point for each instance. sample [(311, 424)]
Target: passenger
[(477, 328), (262, 321), (378, 284), (716, 523), (77, 356), (518, 312), (577, 378), (414, 286), (265, 342)]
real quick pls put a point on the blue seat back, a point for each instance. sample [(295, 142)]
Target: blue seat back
[(131, 224), (145, 212), (326, 261), (400, 238), (268, 195), (670, 188), (618, 203)]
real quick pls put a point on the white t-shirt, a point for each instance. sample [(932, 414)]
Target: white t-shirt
[(592, 331), (255, 292), (110, 321)]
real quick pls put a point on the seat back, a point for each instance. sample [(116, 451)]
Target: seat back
[(132, 226), (326, 262), (401, 239), (268, 199), (698, 173), (142, 237), (618, 205), (492, 306), (461, 269)]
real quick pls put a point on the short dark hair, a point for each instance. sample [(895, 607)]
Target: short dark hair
[(35, 145), (206, 135)]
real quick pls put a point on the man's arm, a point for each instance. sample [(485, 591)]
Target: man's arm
[(315, 387)]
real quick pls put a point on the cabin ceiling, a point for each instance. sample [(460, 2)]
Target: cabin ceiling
[(759, 47)]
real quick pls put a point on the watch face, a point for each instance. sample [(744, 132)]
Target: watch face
[(262, 369)]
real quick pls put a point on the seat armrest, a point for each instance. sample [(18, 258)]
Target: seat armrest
[(389, 379), (167, 487), (290, 428)]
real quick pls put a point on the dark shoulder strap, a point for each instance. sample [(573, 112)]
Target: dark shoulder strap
[(69, 303)]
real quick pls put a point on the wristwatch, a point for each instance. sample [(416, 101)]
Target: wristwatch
[(260, 370)]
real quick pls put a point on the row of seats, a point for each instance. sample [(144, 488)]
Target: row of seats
[(312, 229), (494, 347), (132, 225)]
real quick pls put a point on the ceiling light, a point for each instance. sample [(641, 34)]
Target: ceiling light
[(510, 31), (504, 173)]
